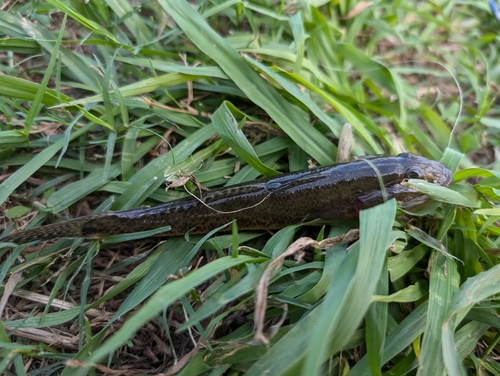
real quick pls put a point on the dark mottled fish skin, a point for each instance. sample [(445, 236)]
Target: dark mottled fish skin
[(327, 193)]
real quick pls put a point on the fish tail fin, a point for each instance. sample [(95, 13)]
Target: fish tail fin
[(68, 229)]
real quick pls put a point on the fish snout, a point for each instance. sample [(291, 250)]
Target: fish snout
[(441, 175)]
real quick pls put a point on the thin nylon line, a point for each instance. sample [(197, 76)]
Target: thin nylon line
[(461, 101), (227, 212), (384, 66)]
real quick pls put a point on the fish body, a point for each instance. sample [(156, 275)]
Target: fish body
[(328, 193)]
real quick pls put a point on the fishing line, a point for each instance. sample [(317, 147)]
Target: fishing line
[(461, 100), (227, 212), (382, 67)]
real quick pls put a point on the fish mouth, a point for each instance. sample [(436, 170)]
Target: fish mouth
[(407, 197), (438, 174), (404, 196), (435, 173), (414, 203), (429, 170), (410, 200)]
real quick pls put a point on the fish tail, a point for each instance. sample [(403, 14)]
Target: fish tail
[(69, 229)]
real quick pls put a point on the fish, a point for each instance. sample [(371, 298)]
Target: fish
[(327, 193)]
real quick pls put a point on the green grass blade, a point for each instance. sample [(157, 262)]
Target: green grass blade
[(376, 326), (299, 337), (139, 88), (280, 77), (409, 294), (399, 339), (17, 178), (89, 24), (256, 89), (444, 281), (332, 258), (441, 193), (164, 297), (346, 302), (172, 162), (227, 127), (376, 237)]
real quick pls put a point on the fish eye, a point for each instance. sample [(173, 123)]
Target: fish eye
[(414, 173)]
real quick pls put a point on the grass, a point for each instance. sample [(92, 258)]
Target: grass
[(102, 101)]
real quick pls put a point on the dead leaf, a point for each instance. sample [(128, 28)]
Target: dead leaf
[(358, 8)]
